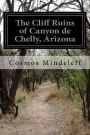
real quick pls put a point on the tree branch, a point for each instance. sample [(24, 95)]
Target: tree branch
[(62, 4), (9, 5), (44, 5)]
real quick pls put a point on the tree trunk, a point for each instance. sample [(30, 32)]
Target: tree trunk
[(40, 81), (88, 96), (69, 90), (7, 102), (33, 85), (16, 80), (3, 92), (58, 84), (34, 79)]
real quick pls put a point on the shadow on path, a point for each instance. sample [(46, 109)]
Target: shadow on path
[(39, 117)]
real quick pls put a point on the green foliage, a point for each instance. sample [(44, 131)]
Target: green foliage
[(74, 82), (51, 78), (88, 36), (89, 6)]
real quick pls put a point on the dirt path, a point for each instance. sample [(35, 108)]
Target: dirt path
[(38, 118)]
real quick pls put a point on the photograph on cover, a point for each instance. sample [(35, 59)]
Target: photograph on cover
[(44, 67)]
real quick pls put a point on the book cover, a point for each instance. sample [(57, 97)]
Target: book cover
[(45, 67)]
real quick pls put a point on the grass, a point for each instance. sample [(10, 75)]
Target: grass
[(54, 95), (21, 95), (70, 110), (23, 98)]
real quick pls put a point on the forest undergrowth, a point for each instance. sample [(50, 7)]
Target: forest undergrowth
[(71, 110)]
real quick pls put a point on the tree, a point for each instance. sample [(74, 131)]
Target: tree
[(23, 6), (8, 107)]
